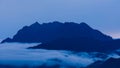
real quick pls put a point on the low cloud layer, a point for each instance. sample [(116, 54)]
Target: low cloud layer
[(17, 54)]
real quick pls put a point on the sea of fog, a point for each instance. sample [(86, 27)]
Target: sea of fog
[(18, 54)]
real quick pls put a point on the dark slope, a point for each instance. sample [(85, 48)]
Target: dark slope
[(80, 44), (73, 44), (51, 31), (110, 63)]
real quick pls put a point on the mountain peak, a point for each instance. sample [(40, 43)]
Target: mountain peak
[(84, 25), (36, 23)]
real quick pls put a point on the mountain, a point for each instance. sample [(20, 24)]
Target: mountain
[(110, 63), (65, 36), (47, 32)]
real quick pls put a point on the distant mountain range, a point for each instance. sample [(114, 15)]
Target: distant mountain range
[(65, 36)]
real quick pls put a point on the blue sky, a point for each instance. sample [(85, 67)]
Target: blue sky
[(100, 14)]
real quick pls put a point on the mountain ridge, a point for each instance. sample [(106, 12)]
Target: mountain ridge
[(38, 32), (65, 36)]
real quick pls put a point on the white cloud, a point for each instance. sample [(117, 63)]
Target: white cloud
[(17, 54)]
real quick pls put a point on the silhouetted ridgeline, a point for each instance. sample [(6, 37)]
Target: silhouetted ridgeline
[(51, 31), (65, 36)]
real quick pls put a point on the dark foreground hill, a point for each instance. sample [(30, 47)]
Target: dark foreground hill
[(65, 36), (110, 63)]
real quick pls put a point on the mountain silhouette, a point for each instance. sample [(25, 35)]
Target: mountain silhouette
[(65, 36), (110, 63), (47, 32)]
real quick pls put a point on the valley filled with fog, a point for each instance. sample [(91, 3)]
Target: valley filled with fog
[(17, 54)]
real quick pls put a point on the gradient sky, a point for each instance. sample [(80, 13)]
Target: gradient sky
[(103, 15)]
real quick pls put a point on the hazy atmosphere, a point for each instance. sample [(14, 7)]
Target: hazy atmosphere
[(59, 33), (100, 14)]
